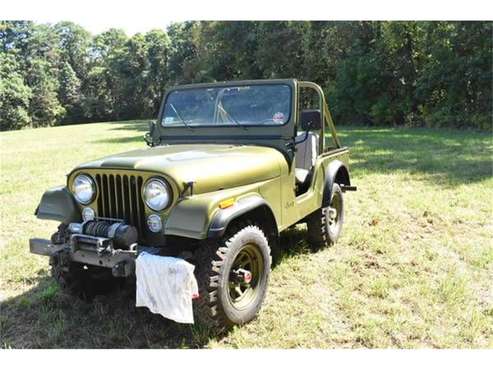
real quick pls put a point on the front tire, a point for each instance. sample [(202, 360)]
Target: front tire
[(82, 282), (76, 279), (325, 224), (232, 275)]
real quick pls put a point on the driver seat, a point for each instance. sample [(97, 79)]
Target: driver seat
[(307, 150)]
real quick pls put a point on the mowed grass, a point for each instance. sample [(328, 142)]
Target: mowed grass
[(414, 267)]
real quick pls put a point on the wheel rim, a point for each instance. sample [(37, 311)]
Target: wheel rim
[(333, 214), (245, 276)]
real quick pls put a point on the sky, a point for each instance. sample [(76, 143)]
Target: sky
[(97, 16), (143, 15), (96, 26)]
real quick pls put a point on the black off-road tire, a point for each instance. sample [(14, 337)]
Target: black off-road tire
[(79, 282), (213, 265), (323, 231), (73, 279)]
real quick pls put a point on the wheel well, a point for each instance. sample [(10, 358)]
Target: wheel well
[(342, 176), (264, 218)]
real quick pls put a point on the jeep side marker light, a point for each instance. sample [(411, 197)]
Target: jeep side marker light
[(227, 203)]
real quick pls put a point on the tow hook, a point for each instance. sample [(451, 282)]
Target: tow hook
[(242, 275)]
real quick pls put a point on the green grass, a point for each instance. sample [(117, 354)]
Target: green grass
[(414, 267)]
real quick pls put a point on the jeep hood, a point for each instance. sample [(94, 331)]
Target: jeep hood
[(211, 166)]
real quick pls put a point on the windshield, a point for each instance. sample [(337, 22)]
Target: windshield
[(229, 105)]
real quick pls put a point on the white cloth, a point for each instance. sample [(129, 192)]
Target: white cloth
[(166, 286)]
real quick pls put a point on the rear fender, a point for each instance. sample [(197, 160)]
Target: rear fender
[(337, 172)]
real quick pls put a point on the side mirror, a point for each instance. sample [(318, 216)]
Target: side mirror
[(148, 138)]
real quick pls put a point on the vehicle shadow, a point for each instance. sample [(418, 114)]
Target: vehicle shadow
[(46, 317)]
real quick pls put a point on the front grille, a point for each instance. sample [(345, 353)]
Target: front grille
[(120, 197)]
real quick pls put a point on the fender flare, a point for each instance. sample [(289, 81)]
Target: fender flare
[(338, 172), (223, 217), (58, 204)]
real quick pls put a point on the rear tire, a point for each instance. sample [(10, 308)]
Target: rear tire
[(232, 274), (325, 224)]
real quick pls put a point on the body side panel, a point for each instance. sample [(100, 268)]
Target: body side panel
[(297, 208)]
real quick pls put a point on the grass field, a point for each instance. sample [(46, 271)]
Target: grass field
[(414, 267)]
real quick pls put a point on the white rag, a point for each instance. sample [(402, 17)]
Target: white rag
[(166, 286)]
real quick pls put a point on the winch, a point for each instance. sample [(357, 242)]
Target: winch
[(122, 235)]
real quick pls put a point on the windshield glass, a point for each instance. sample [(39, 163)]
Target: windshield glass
[(228, 105)]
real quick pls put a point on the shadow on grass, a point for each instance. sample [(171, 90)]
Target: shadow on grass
[(46, 317), (123, 140), (136, 125), (139, 126), (445, 157)]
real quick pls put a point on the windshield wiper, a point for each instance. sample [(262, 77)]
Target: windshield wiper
[(179, 116), (220, 106)]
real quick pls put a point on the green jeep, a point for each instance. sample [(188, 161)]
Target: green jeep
[(230, 166)]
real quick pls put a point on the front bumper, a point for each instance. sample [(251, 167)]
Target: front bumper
[(90, 250)]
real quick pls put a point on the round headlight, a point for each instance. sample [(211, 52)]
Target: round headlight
[(84, 189), (156, 194)]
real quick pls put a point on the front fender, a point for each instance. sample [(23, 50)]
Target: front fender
[(200, 217), (223, 217), (58, 204)]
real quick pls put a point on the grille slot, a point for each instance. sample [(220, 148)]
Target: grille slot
[(119, 197)]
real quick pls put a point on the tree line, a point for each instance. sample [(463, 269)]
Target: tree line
[(431, 74)]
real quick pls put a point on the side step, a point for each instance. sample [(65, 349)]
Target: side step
[(345, 188)]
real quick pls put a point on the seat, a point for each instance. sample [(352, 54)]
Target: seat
[(301, 175), (307, 150), (306, 155)]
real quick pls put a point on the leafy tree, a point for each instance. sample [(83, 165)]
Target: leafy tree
[(391, 73), (44, 107), (14, 95), (280, 53), (104, 89), (157, 76), (74, 43), (69, 93), (183, 52), (455, 84)]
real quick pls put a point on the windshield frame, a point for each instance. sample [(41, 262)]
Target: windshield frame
[(231, 84)]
